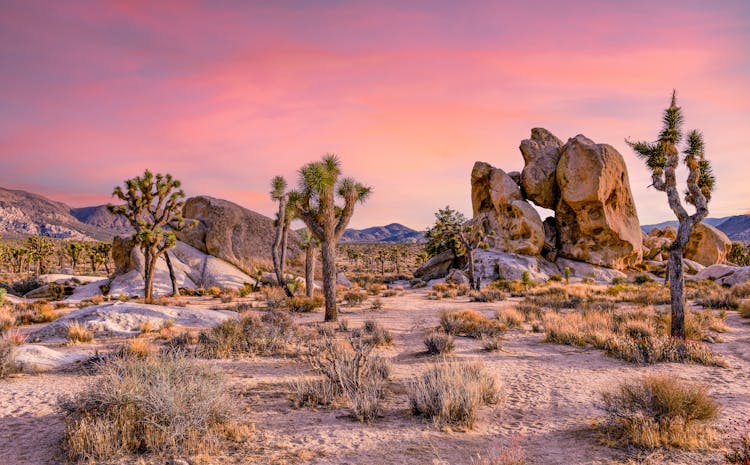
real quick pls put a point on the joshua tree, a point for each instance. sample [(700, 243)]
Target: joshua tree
[(153, 207), (282, 222), (19, 258), (309, 243), (74, 250), (662, 158), (449, 233), (315, 204), (40, 248)]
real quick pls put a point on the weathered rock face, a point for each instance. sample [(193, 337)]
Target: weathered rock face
[(232, 233), (499, 206), (596, 216), (541, 155), (436, 267), (707, 245)]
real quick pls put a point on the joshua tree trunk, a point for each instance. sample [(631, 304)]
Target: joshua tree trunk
[(328, 253), (676, 291), (148, 279), (172, 277), (309, 271)]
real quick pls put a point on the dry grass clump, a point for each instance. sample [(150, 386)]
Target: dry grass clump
[(275, 297), (719, 299), (79, 333), (270, 334), (376, 288), (7, 356), (452, 393), (7, 319), (150, 405), (510, 317), (350, 371), (299, 304), (376, 334), (439, 343), (660, 411), (448, 291), (739, 445), (487, 295), (634, 336), (512, 454), (741, 290), (492, 344), (530, 311), (34, 312), (391, 292), (354, 297), (135, 348), (470, 323), (514, 287), (744, 310)]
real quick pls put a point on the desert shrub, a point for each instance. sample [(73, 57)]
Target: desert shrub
[(343, 325), (439, 343), (741, 290), (555, 278), (7, 356), (354, 297), (660, 411), (744, 310), (486, 295), (135, 348), (274, 297), (417, 283), (492, 344), (251, 335), (27, 285), (514, 287), (349, 370), (2, 295), (738, 452), (452, 393), (79, 333), (376, 334), (469, 323), (304, 304), (153, 405), (213, 291), (34, 312), (376, 304), (512, 454), (530, 311), (376, 288), (617, 280), (642, 279), (389, 293), (7, 319), (238, 307), (719, 299), (510, 317), (636, 336)]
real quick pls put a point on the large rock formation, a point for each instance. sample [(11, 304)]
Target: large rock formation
[(499, 206), (541, 154), (707, 245), (596, 217), (585, 183), (232, 233)]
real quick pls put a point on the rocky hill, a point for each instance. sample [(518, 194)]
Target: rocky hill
[(101, 218), (737, 228), (392, 233), (26, 214)]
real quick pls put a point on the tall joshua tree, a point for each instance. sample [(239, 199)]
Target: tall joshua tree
[(153, 207), (282, 222), (315, 203), (40, 248), (74, 250), (309, 243), (662, 158)]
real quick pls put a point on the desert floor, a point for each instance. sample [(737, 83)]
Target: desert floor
[(550, 407)]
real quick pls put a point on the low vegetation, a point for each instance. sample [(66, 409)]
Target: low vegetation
[(470, 323), (660, 411), (147, 405), (79, 333), (638, 336), (7, 356), (451, 393), (439, 343), (269, 334)]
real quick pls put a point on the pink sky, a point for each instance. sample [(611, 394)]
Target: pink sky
[(225, 95)]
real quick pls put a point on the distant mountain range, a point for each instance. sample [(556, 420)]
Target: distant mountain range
[(737, 228), (392, 233)]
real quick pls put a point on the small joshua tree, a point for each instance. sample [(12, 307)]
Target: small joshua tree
[(309, 243), (282, 222), (315, 204), (153, 207), (40, 248), (74, 250), (662, 158)]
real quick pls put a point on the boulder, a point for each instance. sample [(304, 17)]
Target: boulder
[(541, 154), (597, 221), (498, 206), (232, 233), (724, 274), (87, 291), (33, 358), (127, 318), (342, 280), (707, 245), (457, 277), (435, 267), (586, 270), (491, 264), (691, 267)]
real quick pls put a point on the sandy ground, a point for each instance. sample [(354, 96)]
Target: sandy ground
[(550, 406)]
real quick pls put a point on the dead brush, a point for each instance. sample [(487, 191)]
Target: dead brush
[(34, 312), (135, 348), (510, 317), (719, 299), (486, 295), (7, 319), (741, 290), (375, 333), (375, 289), (439, 343), (744, 310), (164, 405), (470, 323), (271, 334), (274, 297), (299, 304), (349, 370), (451, 393), (355, 297), (7, 356), (79, 333), (660, 411)]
